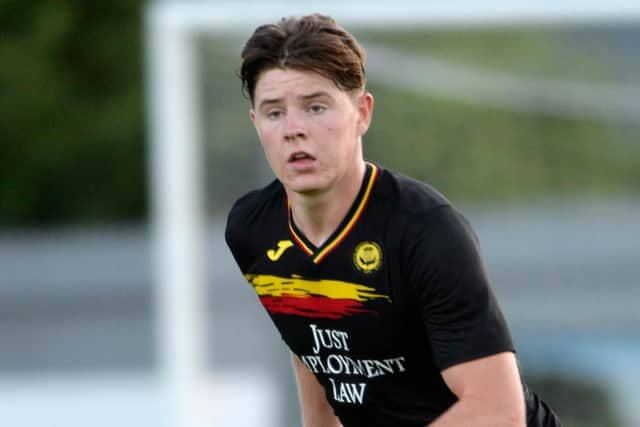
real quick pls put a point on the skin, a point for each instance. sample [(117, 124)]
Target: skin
[(304, 114), (489, 393), (311, 132), (316, 411)]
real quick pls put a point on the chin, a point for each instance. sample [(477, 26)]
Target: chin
[(304, 187), (307, 190)]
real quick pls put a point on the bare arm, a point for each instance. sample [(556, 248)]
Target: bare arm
[(489, 392), (316, 411)]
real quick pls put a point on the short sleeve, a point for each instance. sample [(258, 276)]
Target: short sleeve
[(236, 236), (454, 296)]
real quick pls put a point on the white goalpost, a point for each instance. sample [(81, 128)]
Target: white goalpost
[(176, 152)]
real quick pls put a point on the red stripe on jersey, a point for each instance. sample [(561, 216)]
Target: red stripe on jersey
[(318, 307)]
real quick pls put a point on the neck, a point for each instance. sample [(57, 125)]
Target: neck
[(319, 215)]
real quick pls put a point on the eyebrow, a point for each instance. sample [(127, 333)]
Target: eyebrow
[(318, 94), (269, 101)]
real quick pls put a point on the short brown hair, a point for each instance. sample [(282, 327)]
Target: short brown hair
[(310, 43)]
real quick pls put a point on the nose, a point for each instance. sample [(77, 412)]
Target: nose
[(294, 127)]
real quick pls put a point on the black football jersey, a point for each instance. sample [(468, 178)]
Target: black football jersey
[(394, 296)]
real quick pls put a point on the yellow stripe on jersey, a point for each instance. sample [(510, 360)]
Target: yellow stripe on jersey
[(276, 286), (354, 218)]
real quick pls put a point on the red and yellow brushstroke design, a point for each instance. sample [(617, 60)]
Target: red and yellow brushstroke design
[(329, 299)]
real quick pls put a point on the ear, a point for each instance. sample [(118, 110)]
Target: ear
[(364, 105), (252, 116)]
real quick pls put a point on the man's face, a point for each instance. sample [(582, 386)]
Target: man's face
[(310, 129)]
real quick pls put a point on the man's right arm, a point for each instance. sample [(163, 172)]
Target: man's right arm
[(316, 411)]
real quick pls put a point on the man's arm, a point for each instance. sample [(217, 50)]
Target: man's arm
[(489, 394), (316, 411)]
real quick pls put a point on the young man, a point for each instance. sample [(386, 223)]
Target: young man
[(373, 279)]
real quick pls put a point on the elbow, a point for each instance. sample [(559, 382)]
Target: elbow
[(513, 410), (505, 413), (503, 418), (515, 417), (515, 422)]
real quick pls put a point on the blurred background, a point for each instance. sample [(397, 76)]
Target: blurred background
[(531, 129)]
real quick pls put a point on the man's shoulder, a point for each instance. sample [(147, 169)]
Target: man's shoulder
[(408, 195), (251, 218), (248, 209), (258, 197)]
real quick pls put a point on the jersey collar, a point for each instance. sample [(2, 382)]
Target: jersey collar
[(347, 224)]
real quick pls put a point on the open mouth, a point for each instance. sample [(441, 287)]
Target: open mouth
[(299, 156)]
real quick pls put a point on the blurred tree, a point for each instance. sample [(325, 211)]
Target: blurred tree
[(474, 153), (72, 108), (479, 153), (73, 135)]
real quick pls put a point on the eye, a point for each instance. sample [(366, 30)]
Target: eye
[(274, 114), (317, 108)]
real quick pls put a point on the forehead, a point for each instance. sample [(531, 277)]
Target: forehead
[(282, 83)]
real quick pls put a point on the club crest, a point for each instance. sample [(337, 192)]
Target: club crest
[(367, 257)]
